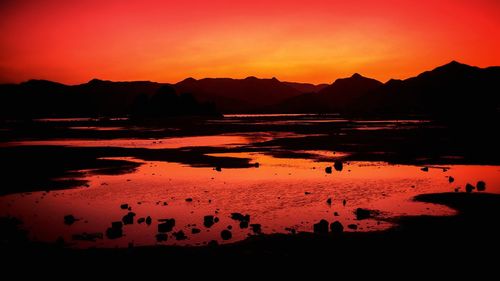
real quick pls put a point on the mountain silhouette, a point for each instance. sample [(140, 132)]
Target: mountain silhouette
[(342, 93), (306, 87), (451, 91), (236, 95)]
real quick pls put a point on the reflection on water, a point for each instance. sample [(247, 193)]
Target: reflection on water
[(280, 194)]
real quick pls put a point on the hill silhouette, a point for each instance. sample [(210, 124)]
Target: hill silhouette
[(450, 91), (237, 95)]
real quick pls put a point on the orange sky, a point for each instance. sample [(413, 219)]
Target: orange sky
[(306, 41)]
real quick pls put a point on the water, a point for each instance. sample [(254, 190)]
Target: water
[(281, 193)]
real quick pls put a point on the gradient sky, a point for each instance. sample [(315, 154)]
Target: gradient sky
[(306, 41)]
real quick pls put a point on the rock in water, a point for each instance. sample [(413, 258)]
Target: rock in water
[(328, 170), (337, 228), (226, 234), (69, 219), (115, 231), (166, 226), (195, 231), (256, 228), (451, 179), (338, 165), (208, 221), (148, 220), (469, 188), (481, 186), (161, 237), (425, 169), (179, 235), (362, 214), (124, 206), (128, 218), (321, 227)]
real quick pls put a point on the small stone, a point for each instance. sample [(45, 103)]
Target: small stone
[(321, 227), (469, 188), (337, 228), (124, 206), (226, 234), (161, 237), (338, 165), (166, 226), (481, 186), (69, 219)]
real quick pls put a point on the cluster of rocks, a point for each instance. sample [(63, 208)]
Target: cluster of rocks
[(322, 227)]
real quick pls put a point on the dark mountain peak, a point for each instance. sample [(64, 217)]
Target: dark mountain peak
[(454, 66), (275, 79), (40, 83), (188, 80), (357, 76), (96, 81), (251, 78)]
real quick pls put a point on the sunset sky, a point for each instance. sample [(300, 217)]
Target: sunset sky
[(305, 41)]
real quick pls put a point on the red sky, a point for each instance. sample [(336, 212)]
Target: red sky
[(307, 41)]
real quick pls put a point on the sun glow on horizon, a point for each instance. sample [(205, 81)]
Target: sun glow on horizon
[(303, 41)]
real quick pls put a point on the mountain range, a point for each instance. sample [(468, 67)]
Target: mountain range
[(451, 90)]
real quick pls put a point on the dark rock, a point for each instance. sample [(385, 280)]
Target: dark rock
[(338, 165), (218, 168), (229, 227), (216, 219), (189, 199), (425, 169), (117, 224), (337, 228), (256, 165), (243, 224), (124, 206), (256, 228), (362, 214), (195, 231), (128, 218), (166, 226), (240, 217), (161, 237), (329, 201), (321, 227), (328, 170), (148, 220), (481, 186), (115, 231), (226, 234), (469, 188), (69, 219), (130, 208), (307, 193), (179, 235), (353, 226), (344, 202), (336, 214), (165, 203), (451, 179), (141, 220), (208, 221)]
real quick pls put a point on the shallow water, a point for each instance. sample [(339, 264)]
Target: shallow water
[(279, 193)]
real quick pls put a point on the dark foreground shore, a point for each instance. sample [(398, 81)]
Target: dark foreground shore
[(469, 237)]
